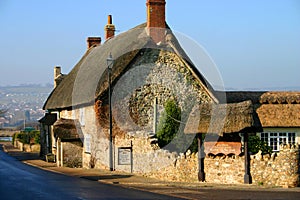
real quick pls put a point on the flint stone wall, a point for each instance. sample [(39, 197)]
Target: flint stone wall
[(146, 155), (281, 169), (72, 154)]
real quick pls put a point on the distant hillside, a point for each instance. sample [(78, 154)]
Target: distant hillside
[(20, 99), (30, 88)]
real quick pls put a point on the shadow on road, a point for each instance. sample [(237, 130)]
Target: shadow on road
[(106, 177), (19, 155)]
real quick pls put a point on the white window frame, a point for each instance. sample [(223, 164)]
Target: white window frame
[(275, 139)]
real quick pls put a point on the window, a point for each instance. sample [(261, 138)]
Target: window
[(275, 139)]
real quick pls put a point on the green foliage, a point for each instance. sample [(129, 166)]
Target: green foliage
[(255, 144), (31, 137), (194, 146), (169, 123), (14, 138)]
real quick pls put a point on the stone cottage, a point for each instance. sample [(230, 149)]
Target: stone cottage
[(109, 104)]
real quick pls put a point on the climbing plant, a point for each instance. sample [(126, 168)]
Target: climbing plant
[(169, 123)]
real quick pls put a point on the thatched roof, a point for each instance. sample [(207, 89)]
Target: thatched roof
[(222, 118), (88, 79), (280, 98), (274, 109), (261, 97), (49, 119), (279, 115), (80, 85), (67, 129)]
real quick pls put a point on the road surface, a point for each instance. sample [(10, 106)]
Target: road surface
[(21, 181)]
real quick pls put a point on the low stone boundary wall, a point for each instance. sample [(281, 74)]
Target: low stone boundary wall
[(183, 169), (224, 169), (279, 169), (27, 147)]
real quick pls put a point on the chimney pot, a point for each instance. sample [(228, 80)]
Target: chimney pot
[(109, 28), (109, 19), (57, 73)]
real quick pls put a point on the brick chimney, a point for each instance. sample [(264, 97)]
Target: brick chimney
[(93, 41), (156, 19), (109, 28)]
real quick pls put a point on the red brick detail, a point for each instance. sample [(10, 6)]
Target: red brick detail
[(222, 147), (92, 41), (156, 19)]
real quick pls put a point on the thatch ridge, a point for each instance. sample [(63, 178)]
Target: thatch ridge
[(280, 98)]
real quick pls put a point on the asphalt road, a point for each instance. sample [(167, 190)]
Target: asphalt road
[(21, 181)]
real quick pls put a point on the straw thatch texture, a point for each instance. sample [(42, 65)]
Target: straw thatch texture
[(280, 98), (221, 118), (85, 82), (279, 115), (49, 119), (67, 129), (88, 79)]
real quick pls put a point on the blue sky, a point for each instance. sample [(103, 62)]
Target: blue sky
[(254, 43)]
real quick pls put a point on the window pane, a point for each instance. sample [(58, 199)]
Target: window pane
[(280, 134)]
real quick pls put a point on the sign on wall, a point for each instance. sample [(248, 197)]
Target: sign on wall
[(124, 155), (222, 147), (87, 143)]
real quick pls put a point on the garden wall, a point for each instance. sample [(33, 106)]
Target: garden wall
[(278, 169), (27, 147)]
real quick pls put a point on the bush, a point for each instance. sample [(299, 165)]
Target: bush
[(31, 137), (255, 144)]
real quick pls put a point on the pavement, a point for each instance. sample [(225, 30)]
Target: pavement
[(128, 180)]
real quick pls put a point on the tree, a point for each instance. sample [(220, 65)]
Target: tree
[(169, 123)]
